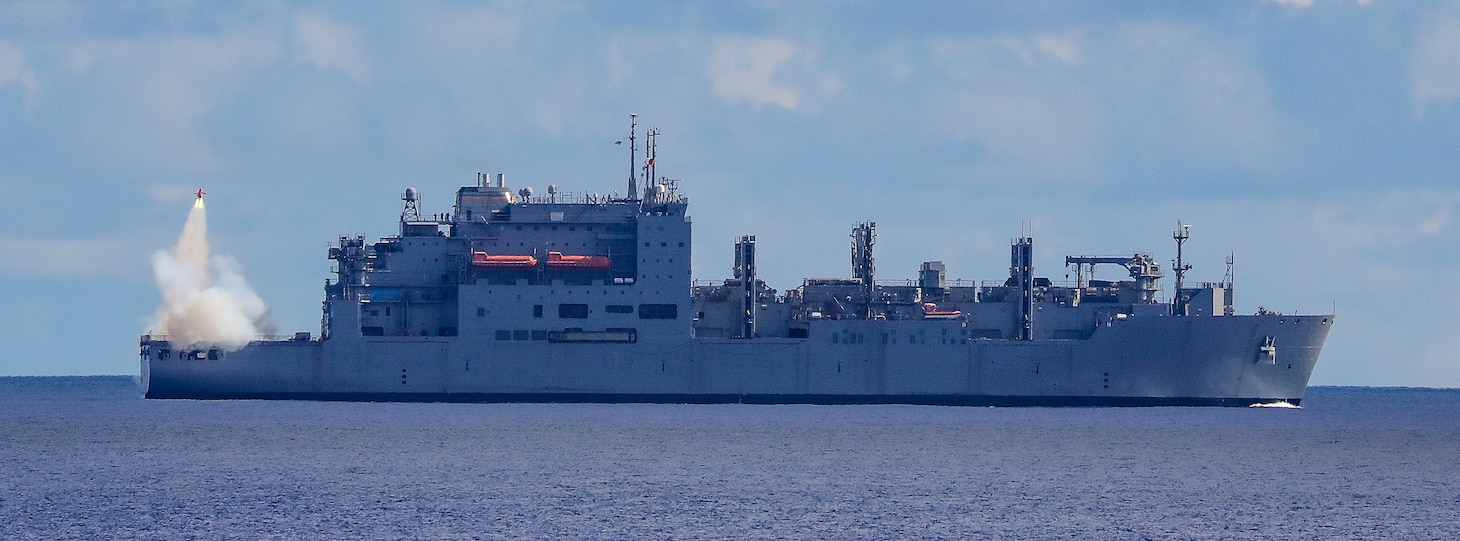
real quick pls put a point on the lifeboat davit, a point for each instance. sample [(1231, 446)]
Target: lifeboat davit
[(480, 260), (556, 260)]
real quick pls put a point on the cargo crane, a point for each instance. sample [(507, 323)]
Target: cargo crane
[(1141, 267)]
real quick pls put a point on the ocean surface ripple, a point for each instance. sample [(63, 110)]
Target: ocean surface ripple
[(87, 458)]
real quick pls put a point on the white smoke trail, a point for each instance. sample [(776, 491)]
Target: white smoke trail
[(202, 308)]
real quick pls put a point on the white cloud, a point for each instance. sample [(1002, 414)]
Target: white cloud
[(153, 93), (1296, 3), (1385, 220), (1177, 91), (15, 69), (1436, 223), (1035, 49), (754, 70), (329, 45), (1435, 68), (1020, 100), (1061, 106), (52, 258), (1065, 47), (492, 65), (44, 15), (895, 60)]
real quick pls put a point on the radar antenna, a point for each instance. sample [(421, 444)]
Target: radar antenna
[(412, 212)]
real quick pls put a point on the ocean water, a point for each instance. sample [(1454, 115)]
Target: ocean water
[(87, 458)]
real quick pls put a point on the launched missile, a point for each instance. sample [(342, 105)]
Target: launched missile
[(200, 193)]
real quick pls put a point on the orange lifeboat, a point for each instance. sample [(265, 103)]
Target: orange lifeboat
[(480, 260), (931, 311), (558, 261)]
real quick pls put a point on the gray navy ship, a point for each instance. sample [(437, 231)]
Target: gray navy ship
[(516, 297)]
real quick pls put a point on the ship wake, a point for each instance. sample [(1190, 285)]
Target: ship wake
[(205, 300), (1279, 404)]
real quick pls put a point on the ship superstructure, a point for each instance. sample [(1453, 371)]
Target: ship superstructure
[(514, 296)]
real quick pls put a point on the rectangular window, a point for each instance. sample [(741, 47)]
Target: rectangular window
[(619, 309), (520, 335), (537, 310), (658, 311), (579, 336), (572, 311), (481, 312), (504, 335), (539, 335)]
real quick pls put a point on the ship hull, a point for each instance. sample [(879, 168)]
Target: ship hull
[(1140, 361)]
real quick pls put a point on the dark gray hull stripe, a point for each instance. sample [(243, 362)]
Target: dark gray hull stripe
[(819, 399)]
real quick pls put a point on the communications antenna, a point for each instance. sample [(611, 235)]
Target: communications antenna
[(633, 157), (1183, 232), (1231, 273), (651, 151)]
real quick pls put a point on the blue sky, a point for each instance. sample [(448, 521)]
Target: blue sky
[(1318, 141)]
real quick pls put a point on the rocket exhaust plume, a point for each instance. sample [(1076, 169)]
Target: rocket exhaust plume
[(205, 300)]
